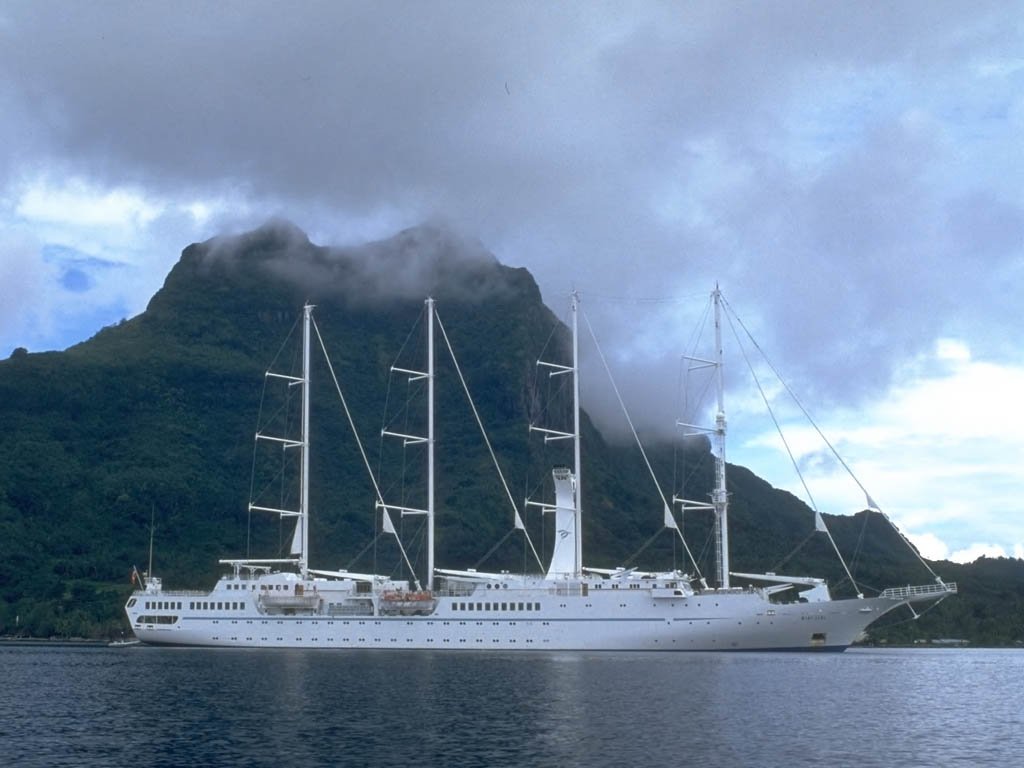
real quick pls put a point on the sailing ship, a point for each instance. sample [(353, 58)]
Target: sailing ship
[(285, 603)]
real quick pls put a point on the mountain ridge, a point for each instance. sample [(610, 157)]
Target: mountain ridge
[(150, 419)]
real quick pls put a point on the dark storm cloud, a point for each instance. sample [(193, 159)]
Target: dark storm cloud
[(806, 154)]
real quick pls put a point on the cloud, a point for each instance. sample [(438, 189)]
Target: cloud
[(974, 551), (927, 452), (428, 260), (75, 204), (848, 172)]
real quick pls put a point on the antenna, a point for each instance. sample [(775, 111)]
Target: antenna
[(152, 520)]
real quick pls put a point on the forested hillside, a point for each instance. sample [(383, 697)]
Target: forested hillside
[(147, 428)]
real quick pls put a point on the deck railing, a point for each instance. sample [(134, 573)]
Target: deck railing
[(924, 590)]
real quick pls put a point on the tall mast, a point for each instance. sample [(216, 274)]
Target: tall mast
[(567, 556), (719, 497), (412, 439), (152, 522), (430, 443), (303, 518), (576, 430)]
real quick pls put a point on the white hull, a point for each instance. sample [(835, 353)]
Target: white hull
[(544, 615)]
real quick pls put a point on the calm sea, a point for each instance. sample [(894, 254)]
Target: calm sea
[(188, 707)]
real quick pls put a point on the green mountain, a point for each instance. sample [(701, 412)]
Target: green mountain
[(148, 428)]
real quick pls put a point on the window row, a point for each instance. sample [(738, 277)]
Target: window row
[(204, 605), (163, 605), (495, 606)]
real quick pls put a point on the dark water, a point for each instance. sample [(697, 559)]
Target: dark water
[(188, 707)]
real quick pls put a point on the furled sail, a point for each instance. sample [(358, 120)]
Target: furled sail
[(563, 558)]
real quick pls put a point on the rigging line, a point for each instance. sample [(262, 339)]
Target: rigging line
[(632, 558), (629, 420), (487, 440), (835, 453), (359, 443), (493, 549), (407, 411), (277, 479), (544, 348), (383, 427), (610, 298), (818, 519), (683, 407), (622, 405), (677, 444), (914, 614), (412, 330), (259, 428), (403, 412), (860, 541), (793, 551), (252, 473), (362, 552), (348, 413), (771, 412), (284, 343), (405, 557)]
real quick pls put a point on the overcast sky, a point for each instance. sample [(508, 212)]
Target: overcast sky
[(851, 173)]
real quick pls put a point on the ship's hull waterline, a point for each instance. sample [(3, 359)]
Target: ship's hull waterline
[(525, 619)]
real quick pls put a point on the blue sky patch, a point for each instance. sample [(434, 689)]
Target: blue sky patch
[(78, 269)]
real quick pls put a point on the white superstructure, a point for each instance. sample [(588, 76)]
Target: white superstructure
[(287, 604)]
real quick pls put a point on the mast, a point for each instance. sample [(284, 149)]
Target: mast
[(430, 443), (152, 528), (567, 555), (578, 517), (407, 439), (719, 497), (303, 517), (300, 536)]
